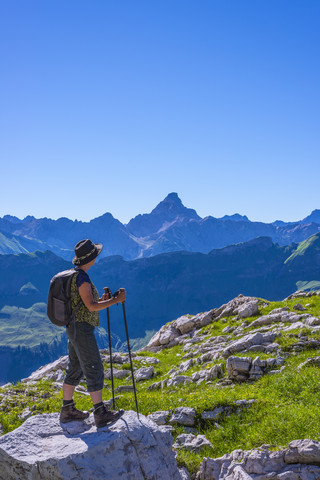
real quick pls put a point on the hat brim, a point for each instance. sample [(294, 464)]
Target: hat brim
[(78, 261)]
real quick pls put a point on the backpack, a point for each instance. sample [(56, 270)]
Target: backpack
[(59, 308)]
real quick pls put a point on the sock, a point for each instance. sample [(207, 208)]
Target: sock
[(97, 405), (67, 402)]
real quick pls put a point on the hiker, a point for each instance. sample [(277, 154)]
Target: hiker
[(84, 355)]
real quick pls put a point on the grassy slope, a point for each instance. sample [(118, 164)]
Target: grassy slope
[(310, 244), (10, 245), (287, 406), (27, 327)]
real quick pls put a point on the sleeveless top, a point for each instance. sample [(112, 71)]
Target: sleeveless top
[(83, 314)]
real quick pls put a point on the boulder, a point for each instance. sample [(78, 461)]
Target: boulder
[(59, 364), (169, 334), (207, 374), (147, 360), (299, 307), (213, 415), (160, 418), (203, 319), (116, 373), (193, 443), (238, 368), (55, 376), (157, 385), (248, 341), (184, 366), (312, 321), (183, 416), (249, 309), (178, 380), (300, 461), (184, 473), (154, 341), (232, 307), (144, 373), (184, 324), (130, 449), (303, 451)]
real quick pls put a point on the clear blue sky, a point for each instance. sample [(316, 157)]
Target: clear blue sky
[(111, 105)]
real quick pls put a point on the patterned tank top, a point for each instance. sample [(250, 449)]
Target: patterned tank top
[(83, 314)]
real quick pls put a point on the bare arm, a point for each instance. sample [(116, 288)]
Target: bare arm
[(85, 292)]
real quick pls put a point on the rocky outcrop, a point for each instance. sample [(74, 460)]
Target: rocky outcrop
[(248, 341), (300, 461), (244, 368), (144, 373), (42, 448), (48, 370), (302, 294), (192, 443), (183, 416), (182, 328)]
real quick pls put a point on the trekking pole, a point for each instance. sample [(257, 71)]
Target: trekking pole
[(129, 350), (107, 290)]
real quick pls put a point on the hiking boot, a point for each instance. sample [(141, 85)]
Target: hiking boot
[(69, 413), (103, 416)]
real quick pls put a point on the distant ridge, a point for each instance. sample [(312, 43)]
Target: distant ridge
[(169, 227)]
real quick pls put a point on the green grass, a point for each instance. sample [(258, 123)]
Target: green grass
[(304, 246), (27, 327)]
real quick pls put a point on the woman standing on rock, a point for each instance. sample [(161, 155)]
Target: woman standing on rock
[(84, 355)]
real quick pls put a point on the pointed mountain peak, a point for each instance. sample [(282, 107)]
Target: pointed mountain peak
[(173, 198), (173, 206), (165, 214)]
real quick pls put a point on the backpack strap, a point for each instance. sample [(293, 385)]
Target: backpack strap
[(74, 313)]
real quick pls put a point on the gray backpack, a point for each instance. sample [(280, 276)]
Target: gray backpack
[(59, 308)]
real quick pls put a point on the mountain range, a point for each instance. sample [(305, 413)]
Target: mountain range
[(169, 227), (159, 288)]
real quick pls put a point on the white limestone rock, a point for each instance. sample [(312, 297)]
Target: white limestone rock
[(55, 376), (203, 319), (144, 373), (147, 360), (192, 443), (130, 449), (154, 341), (184, 324), (248, 341), (183, 416), (207, 374), (303, 451), (300, 461), (178, 380), (213, 415), (42, 372), (238, 367), (299, 307), (312, 321), (116, 373), (184, 366), (249, 309), (160, 417), (184, 474), (168, 335)]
